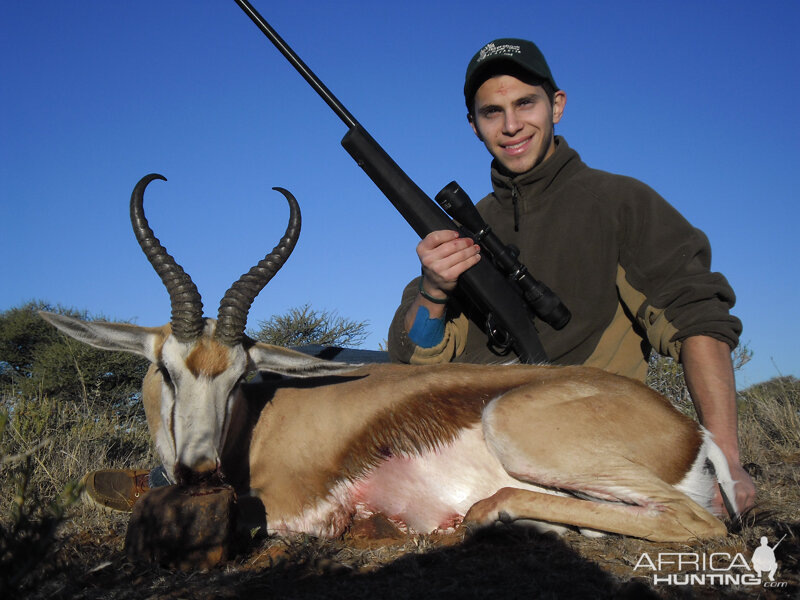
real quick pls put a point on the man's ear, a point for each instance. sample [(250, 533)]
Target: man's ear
[(471, 119), (559, 103)]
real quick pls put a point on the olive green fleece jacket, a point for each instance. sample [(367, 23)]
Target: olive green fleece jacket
[(633, 272)]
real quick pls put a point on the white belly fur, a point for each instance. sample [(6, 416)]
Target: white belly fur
[(422, 493), (433, 491)]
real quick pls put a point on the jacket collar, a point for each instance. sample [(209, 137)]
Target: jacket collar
[(508, 188)]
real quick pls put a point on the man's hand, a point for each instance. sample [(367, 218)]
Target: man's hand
[(745, 488), (444, 256), (709, 376), (744, 491)]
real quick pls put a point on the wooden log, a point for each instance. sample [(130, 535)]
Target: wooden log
[(183, 527)]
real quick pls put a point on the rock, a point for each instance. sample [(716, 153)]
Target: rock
[(376, 530), (183, 527)]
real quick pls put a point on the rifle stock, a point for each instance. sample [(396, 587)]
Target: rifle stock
[(490, 291)]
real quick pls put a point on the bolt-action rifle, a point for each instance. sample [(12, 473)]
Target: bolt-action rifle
[(502, 289)]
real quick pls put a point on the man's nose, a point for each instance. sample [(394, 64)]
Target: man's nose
[(511, 124)]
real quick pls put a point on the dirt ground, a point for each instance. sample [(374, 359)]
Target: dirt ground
[(505, 561), (89, 561)]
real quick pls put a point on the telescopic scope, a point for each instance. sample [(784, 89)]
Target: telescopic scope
[(543, 302)]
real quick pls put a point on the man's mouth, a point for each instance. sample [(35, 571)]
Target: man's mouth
[(516, 146)]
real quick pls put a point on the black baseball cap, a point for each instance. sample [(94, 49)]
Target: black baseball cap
[(522, 53)]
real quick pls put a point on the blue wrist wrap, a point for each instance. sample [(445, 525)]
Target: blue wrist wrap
[(426, 332)]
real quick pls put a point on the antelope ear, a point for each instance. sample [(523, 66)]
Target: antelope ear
[(284, 361), (109, 336)]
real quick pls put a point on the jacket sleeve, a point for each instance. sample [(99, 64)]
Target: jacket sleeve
[(402, 349), (665, 278)]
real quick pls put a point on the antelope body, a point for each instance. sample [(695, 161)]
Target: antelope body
[(429, 447)]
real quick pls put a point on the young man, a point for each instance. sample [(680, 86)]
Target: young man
[(632, 271)]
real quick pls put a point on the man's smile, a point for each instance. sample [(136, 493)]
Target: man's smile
[(517, 146)]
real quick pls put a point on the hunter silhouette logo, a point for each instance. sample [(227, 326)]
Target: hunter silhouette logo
[(716, 568), (764, 558)]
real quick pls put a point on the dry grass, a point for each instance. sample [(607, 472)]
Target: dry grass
[(66, 440), (46, 446), (770, 416)]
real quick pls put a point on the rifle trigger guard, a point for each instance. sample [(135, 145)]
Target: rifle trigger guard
[(498, 338)]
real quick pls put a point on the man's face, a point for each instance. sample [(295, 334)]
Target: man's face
[(515, 121)]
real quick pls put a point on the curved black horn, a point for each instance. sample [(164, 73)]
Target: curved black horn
[(187, 306), (235, 305)]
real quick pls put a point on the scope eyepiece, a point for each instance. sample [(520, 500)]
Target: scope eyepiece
[(458, 205), (542, 301)]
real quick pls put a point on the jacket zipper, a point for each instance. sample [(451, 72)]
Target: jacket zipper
[(515, 202)]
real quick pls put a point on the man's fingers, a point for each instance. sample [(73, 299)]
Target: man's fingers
[(441, 244), (453, 266), (444, 256), (443, 268), (744, 492), (449, 255), (745, 488), (441, 251), (717, 505), (436, 238)]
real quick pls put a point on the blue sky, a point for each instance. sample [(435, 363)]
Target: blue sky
[(697, 99)]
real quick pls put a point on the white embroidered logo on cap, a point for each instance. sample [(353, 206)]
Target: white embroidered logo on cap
[(491, 49)]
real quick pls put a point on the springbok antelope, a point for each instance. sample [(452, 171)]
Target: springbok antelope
[(428, 447)]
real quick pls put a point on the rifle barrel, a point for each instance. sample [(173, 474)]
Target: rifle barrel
[(298, 64), (486, 287)]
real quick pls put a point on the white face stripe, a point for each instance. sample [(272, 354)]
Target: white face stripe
[(189, 411), (165, 436), (195, 407)]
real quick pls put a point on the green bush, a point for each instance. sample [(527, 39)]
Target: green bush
[(305, 325), (37, 360)]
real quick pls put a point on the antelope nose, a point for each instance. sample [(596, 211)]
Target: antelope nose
[(205, 466), (205, 472)]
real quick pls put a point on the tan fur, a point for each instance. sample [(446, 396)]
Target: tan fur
[(151, 398), (315, 448), (582, 397), (568, 430), (576, 422), (415, 426), (684, 520), (327, 433), (164, 332), (209, 358)]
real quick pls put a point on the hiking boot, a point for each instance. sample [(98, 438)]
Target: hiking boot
[(115, 489)]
